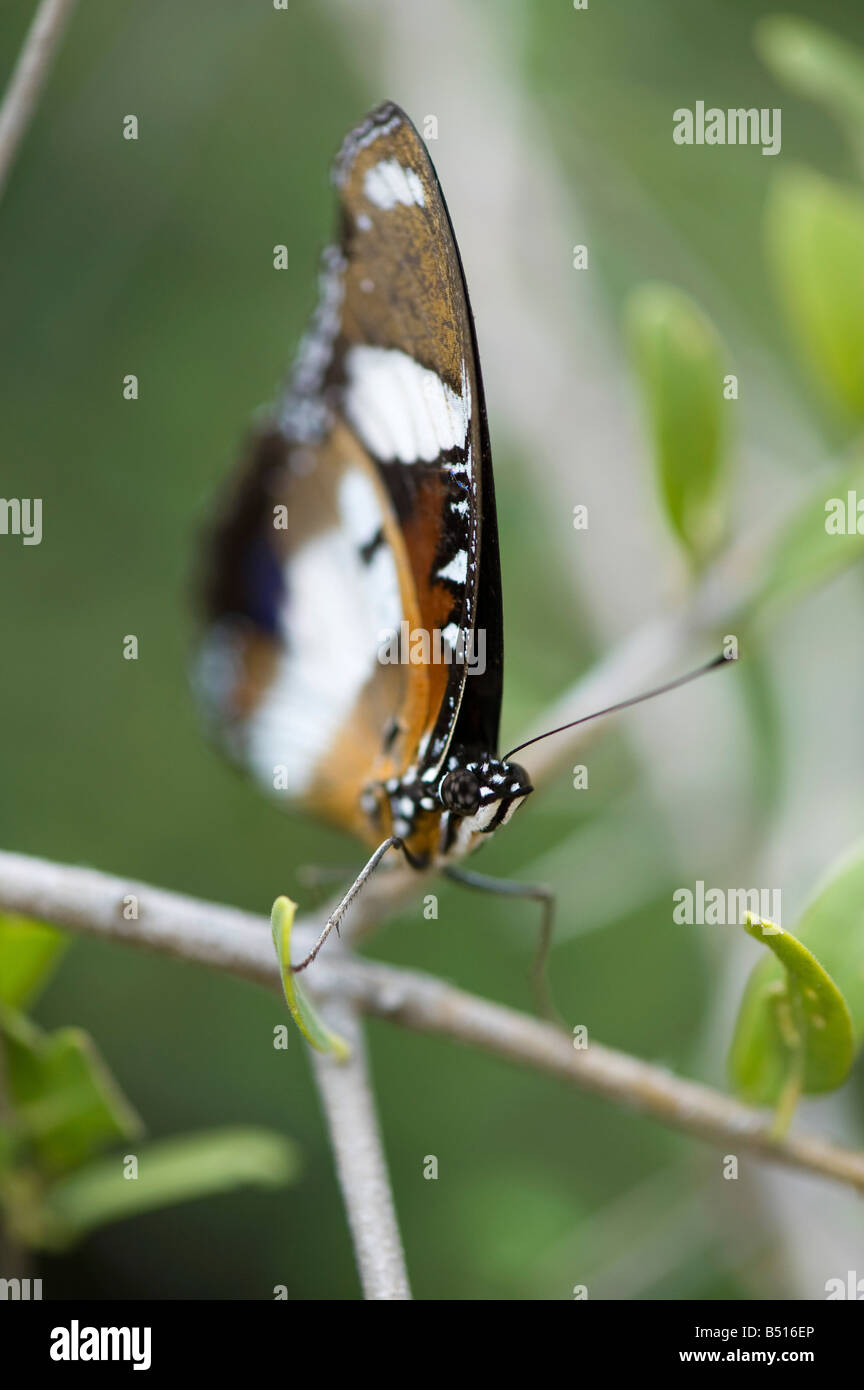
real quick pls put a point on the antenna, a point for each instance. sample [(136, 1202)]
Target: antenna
[(625, 704)]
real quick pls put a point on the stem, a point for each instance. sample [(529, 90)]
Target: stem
[(787, 1103), (792, 1028), (348, 1103)]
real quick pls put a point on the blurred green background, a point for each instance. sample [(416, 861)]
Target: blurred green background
[(155, 257)]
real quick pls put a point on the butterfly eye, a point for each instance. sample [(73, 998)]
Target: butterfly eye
[(460, 791)]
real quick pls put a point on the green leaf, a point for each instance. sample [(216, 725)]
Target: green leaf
[(832, 925), (794, 1024), (171, 1171), (679, 359), (806, 554), (816, 64), (65, 1103), (814, 232), (310, 1023), (28, 950)]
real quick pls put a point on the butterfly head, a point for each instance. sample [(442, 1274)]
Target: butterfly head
[(484, 792)]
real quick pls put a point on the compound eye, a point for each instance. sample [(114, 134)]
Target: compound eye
[(460, 791)]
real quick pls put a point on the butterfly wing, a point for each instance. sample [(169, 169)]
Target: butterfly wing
[(407, 316), (360, 509), (305, 571)]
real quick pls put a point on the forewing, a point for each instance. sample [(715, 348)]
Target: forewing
[(406, 376), (365, 506)]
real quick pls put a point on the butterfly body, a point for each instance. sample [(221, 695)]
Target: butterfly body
[(366, 505)]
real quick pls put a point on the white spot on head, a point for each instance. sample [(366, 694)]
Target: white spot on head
[(509, 809), (479, 823), (402, 410), (388, 183)]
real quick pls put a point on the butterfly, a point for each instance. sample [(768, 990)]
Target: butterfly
[(360, 533)]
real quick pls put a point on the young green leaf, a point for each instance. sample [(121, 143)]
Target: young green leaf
[(65, 1103), (817, 64), (794, 1026), (814, 231), (308, 1020), (680, 363), (832, 925), (168, 1172), (28, 950)]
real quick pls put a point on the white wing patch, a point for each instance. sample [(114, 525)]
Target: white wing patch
[(389, 183), (359, 507), (325, 664), (457, 569), (402, 410)]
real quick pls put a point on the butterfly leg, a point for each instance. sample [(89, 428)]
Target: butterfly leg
[(392, 842), (535, 892)]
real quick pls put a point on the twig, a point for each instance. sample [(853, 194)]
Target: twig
[(239, 943), (25, 85), (428, 1005), (349, 1105), (233, 941)]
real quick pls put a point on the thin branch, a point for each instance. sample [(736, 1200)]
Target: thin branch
[(346, 1095), (27, 80), (239, 943), (428, 1005)]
